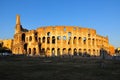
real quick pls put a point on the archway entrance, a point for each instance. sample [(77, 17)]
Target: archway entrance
[(64, 51), (25, 48), (69, 51), (58, 52), (53, 51), (42, 51), (29, 51), (34, 51), (75, 52), (23, 37)]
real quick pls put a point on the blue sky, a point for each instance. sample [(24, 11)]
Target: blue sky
[(102, 15)]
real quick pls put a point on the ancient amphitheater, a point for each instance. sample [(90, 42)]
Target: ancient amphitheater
[(59, 40)]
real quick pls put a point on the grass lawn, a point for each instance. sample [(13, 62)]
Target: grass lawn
[(76, 68)]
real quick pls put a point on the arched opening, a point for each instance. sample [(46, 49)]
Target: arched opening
[(97, 52), (48, 34), (84, 40), (75, 51), (64, 51), (79, 40), (69, 40), (34, 51), (69, 51), (39, 39), (36, 35), (25, 48), (93, 41), (53, 51), (94, 52), (69, 37), (30, 38), (74, 40), (89, 51), (29, 51), (58, 52), (85, 51), (23, 37), (53, 39), (80, 52), (39, 48), (58, 39), (42, 51), (48, 40), (43, 39), (64, 39)]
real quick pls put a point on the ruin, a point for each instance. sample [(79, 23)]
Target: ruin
[(58, 40)]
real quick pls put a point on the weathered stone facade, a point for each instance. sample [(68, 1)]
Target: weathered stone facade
[(58, 40)]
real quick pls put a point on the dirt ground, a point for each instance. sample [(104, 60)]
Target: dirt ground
[(58, 68)]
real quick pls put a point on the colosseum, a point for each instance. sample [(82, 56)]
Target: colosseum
[(58, 40)]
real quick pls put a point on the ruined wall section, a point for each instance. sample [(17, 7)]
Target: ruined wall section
[(60, 40)]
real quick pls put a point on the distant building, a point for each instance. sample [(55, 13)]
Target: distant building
[(58, 40), (111, 50), (7, 43)]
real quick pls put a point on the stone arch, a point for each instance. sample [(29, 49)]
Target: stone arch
[(23, 37), (75, 51), (58, 39), (84, 40), (53, 51), (36, 36), (39, 39), (93, 51), (29, 51), (69, 40), (53, 39), (34, 51), (30, 38), (43, 39), (85, 51), (79, 40), (48, 34), (75, 40), (89, 51), (58, 52), (64, 51), (93, 41), (64, 38), (80, 52), (48, 40), (69, 51), (25, 48), (42, 51)]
